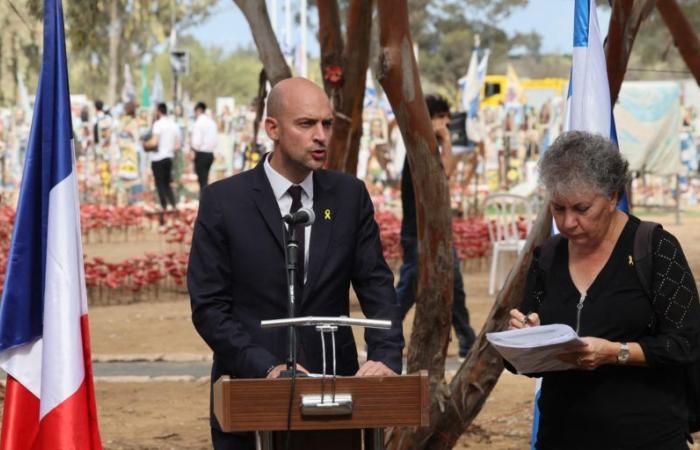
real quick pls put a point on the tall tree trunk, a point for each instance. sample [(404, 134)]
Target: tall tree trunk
[(398, 75), (683, 35), (347, 126), (330, 38), (477, 377), (115, 31), (255, 12), (626, 17)]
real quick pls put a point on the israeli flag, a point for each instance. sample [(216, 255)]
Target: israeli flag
[(588, 106), (588, 100), (471, 83)]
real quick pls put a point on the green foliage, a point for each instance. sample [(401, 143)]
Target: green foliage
[(20, 36), (213, 73), (142, 27), (445, 31), (654, 54)]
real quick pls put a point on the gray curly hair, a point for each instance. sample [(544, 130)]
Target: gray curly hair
[(582, 161)]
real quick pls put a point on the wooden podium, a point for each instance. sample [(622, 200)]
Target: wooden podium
[(359, 403)]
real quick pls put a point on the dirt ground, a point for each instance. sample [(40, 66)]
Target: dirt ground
[(173, 414)]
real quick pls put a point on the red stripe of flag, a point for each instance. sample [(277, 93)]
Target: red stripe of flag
[(72, 425)]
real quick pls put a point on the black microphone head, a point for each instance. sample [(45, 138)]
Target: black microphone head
[(305, 216)]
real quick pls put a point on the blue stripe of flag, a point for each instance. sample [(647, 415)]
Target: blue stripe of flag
[(48, 161), (581, 23)]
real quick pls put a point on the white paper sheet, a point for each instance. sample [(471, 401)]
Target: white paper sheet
[(535, 349)]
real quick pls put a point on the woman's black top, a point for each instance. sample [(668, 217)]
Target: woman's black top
[(613, 406)]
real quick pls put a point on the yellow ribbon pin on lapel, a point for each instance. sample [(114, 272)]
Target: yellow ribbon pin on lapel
[(327, 214)]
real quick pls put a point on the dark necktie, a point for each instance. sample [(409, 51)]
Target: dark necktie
[(295, 193)]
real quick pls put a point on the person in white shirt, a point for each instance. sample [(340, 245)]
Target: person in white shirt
[(166, 135), (205, 136)]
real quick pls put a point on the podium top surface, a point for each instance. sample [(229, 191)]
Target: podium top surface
[(337, 321)]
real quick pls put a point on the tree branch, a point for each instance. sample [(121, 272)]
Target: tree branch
[(683, 35), (347, 126), (626, 17), (255, 12)]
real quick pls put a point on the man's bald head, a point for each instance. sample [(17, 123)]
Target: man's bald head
[(299, 120), (291, 91)]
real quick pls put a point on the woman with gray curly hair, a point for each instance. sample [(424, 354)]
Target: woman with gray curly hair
[(627, 386)]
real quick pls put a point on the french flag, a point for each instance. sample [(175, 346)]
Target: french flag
[(44, 338)]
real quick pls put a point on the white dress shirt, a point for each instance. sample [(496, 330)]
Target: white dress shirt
[(280, 185), (205, 134), (168, 138)]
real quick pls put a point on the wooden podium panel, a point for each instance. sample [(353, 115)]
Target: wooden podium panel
[(378, 402)]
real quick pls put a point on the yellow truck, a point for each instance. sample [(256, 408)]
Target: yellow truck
[(534, 91)]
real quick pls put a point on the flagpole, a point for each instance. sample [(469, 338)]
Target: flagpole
[(287, 29), (302, 56)]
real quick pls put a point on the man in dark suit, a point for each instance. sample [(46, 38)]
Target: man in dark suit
[(237, 275)]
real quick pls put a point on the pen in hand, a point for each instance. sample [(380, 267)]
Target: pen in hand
[(526, 318), (520, 320)]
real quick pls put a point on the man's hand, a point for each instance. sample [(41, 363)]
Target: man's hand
[(442, 134), (277, 370), (375, 369)]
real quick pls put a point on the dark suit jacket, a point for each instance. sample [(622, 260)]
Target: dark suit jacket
[(236, 275)]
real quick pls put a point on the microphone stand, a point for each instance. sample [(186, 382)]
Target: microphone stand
[(292, 249), (291, 252)]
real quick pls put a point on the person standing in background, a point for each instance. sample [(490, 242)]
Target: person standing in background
[(439, 110), (166, 139), (203, 142)]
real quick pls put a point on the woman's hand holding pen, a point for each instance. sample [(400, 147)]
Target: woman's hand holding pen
[(520, 320)]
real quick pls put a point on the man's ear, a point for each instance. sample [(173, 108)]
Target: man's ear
[(272, 128)]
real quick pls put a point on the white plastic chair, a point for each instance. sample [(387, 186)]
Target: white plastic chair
[(502, 213)]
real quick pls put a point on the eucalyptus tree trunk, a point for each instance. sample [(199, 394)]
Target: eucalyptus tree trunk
[(477, 377), (626, 17), (398, 75), (347, 125), (683, 34), (330, 38), (255, 12)]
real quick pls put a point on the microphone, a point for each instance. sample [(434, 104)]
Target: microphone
[(304, 216)]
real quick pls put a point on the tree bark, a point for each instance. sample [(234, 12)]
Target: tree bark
[(260, 104), (113, 64), (683, 35), (330, 38), (398, 75), (626, 17), (347, 126), (477, 377), (255, 12)]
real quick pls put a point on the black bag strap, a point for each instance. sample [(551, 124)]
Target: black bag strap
[(644, 255)]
